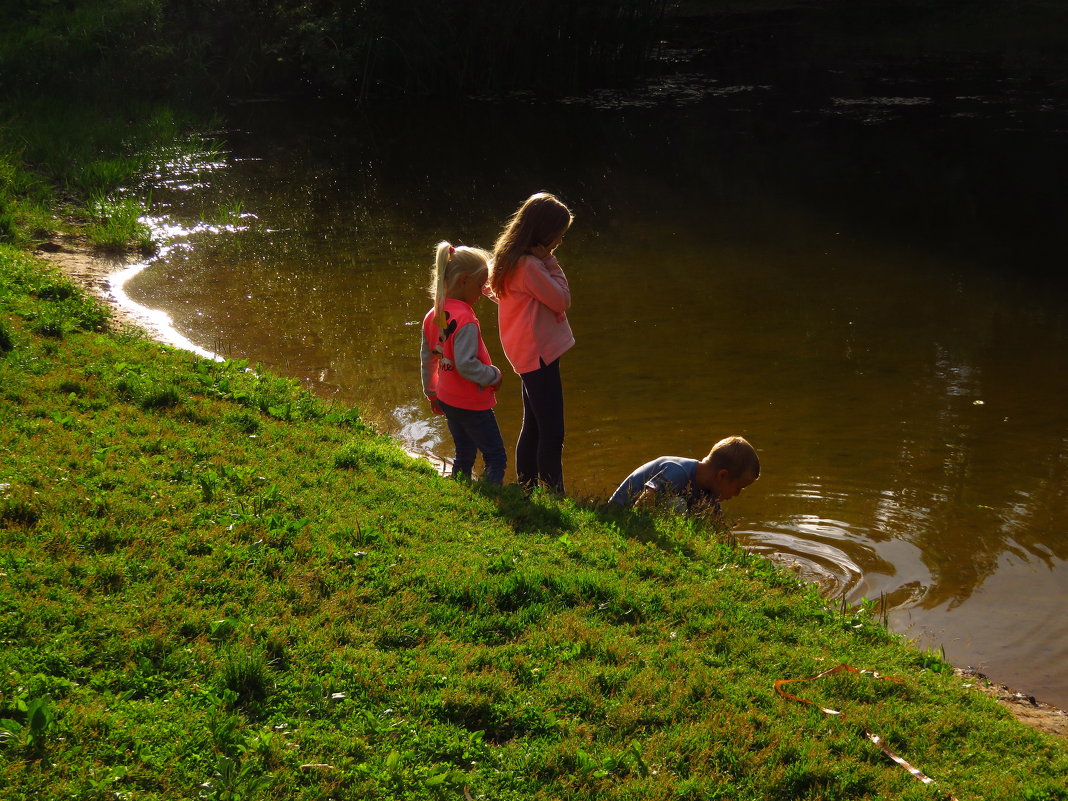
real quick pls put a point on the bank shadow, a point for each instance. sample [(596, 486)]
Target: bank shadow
[(660, 527), (535, 512), (540, 513)]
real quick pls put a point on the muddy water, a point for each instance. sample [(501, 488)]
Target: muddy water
[(869, 299)]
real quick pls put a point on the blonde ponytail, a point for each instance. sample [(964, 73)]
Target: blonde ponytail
[(438, 286), (449, 264)]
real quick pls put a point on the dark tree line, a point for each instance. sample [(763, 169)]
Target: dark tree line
[(363, 49)]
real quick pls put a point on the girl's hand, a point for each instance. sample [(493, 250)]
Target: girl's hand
[(435, 407), (496, 386), (541, 252)]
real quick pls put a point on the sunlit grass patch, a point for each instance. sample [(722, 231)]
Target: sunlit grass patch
[(49, 302), (149, 390), (218, 581), (375, 453), (19, 506)]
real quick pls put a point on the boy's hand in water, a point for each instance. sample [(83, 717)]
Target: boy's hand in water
[(435, 407)]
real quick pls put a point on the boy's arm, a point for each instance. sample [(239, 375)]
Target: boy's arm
[(465, 357), (667, 487), (644, 487)]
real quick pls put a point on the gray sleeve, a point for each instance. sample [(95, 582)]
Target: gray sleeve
[(428, 367), (666, 478), (672, 478), (670, 484), (633, 485), (465, 356)]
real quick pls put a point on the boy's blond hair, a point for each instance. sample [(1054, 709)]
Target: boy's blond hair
[(736, 456)]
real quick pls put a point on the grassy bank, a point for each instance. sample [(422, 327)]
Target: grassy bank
[(74, 168), (213, 586)]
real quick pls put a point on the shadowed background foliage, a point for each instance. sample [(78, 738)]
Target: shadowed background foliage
[(357, 49)]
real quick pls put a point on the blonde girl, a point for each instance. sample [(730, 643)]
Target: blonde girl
[(532, 297), (459, 379)]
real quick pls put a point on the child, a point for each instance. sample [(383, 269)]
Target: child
[(532, 296), (459, 379), (731, 466)]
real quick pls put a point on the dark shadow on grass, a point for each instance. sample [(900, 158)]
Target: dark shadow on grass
[(528, 513), (537, 513), (653, 526)]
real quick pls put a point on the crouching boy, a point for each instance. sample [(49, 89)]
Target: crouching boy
[(687, 484)]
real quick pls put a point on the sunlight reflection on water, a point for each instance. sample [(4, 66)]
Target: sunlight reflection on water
[(172, 237), (156, 321), (415, 432)]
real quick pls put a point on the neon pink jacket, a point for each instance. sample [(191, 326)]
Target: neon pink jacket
[(455, 363), (530, 314)]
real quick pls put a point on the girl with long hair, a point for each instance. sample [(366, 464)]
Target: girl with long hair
[(532, 297)]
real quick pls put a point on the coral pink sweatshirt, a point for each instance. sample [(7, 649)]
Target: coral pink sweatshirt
[(534, 328)]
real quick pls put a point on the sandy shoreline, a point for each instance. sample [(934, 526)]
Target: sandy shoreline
[(93, 271), (103, 275)]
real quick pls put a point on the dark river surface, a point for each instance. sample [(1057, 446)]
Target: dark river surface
[(868, 288)]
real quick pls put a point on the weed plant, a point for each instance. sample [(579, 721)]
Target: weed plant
[(214, 586)]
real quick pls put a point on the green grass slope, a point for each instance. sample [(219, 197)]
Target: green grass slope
[(213, 586)]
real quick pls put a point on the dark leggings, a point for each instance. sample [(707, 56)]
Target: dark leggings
[(540, 448)]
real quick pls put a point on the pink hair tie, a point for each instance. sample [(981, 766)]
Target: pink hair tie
[(451, 250)]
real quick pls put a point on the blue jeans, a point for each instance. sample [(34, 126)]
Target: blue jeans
[(539, 452), (473, 431)]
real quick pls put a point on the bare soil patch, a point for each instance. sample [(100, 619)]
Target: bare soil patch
[(90, 268), (1025, 708)]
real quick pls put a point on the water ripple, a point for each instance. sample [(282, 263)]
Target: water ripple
[(808, 548), (416, 432), (821, 539)]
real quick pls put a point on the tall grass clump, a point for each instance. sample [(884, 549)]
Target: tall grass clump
[(244, 673), (115, 223), (55, 173), (24, 198)]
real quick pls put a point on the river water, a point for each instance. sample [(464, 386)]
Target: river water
[(867, 288)]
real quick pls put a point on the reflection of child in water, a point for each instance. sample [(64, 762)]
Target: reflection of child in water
[(731, 466), (459, 379)]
